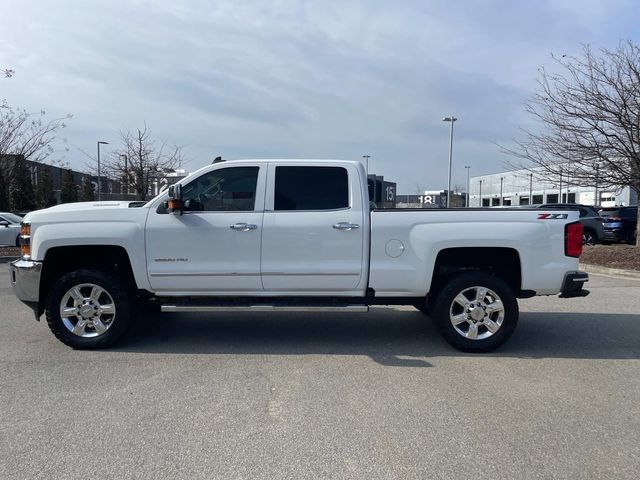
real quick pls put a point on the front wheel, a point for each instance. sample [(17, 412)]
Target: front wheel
[(88, 309), (476, 312)]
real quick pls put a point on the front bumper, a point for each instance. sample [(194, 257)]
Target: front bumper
[(25, 280), (573, 283)]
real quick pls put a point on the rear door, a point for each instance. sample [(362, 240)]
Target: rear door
[(314, 230)]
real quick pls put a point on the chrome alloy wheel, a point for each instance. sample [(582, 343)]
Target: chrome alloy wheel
[(476, 313), (87, 310)]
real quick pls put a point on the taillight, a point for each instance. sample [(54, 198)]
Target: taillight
[(573, 239), (25, 240)]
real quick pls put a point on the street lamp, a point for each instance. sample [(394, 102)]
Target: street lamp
[(366, 160), (468, 167), (501, 183), (99, 179), (480, 203), (451, 119)]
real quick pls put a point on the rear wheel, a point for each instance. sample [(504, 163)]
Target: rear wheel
[(588, 238), (476, 312), (632, 237), (88, 309)]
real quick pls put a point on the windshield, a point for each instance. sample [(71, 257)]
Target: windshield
[(10, 217)]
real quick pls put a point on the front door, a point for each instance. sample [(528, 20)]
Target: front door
[(214, 246)]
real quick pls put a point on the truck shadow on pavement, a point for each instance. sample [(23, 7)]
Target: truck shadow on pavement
[(390, 337)]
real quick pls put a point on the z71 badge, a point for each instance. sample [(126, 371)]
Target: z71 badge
[(553, 216)]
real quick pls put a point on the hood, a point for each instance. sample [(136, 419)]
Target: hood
[(80, 207)]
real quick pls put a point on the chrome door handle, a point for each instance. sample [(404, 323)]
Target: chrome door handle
[(243, 227), (346, 226)]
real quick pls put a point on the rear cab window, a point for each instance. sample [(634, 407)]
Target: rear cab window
[(311, 188)]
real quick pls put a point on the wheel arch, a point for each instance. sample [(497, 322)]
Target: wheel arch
[(61, 260), (503, 262)]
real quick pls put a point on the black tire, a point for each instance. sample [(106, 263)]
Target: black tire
[(422, 306), (446, 305), (589, 238), (117, 324), (631, 238), (18, 241)]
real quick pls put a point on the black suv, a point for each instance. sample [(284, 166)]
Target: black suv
[(620, 224), (591, 220)]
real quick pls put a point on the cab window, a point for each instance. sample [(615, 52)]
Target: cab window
[(223, 190), (311, 188)]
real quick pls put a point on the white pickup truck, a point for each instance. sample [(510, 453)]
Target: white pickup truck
[(291, 235)]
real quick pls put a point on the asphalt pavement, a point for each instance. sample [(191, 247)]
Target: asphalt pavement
[(340, 396)]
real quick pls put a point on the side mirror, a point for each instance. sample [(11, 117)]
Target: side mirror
[(4, 223), (174, 205)]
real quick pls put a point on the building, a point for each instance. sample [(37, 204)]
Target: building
[(111, 189), (381, 192), (431, 199), (529, 187)]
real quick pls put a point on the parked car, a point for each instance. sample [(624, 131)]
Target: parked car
[(620, 224), (591, 220), (9, 228)]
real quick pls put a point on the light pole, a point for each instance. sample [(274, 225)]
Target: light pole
[(530, 189), (99, 178), (366, 160), (596, 200), (480, 195), (451, 119), (468, 167), (501, 183)]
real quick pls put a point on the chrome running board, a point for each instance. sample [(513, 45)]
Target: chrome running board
[(266, 308)]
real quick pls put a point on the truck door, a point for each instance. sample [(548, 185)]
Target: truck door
[(214, 246), (314, 229)]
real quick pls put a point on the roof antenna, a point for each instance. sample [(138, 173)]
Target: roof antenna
[(217, 160)]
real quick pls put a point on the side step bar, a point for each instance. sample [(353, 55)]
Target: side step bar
[(266, 308)]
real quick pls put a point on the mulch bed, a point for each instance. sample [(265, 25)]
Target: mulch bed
[(626, 257)]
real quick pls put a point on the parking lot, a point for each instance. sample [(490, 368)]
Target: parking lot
[(327, 396)]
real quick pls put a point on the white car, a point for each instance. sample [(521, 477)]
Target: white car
[(9, 228)]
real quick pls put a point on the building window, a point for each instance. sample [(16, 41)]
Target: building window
[(485, 202), (524, 200), (537, 200), (495, 202), (552, 198), (506, 201), (311, 188)]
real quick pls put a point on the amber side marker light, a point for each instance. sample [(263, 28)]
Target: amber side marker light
[(25, 240)]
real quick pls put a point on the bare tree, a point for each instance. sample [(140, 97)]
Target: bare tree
[(140, 160), (28, 134), (590, 118)]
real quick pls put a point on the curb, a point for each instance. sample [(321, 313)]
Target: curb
[(7, 259), (613, 272)]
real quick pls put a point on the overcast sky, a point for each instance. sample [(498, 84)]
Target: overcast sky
[(301, 79)]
